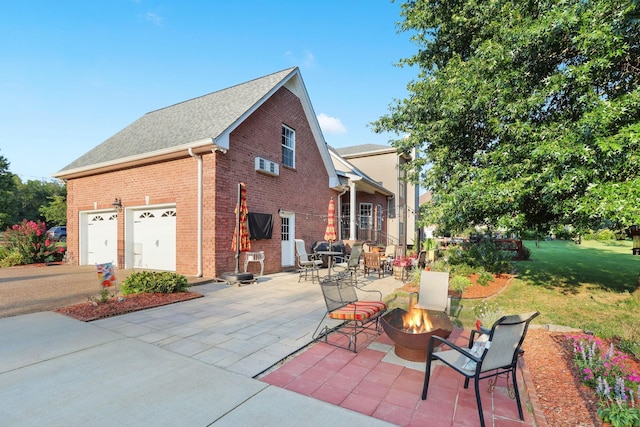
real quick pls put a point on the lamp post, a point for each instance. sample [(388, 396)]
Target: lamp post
[(634, 230)]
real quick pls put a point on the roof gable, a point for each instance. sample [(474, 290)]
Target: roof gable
[(205, 121)]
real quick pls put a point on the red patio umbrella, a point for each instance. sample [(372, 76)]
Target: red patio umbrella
[(241, 228), (330, 232)]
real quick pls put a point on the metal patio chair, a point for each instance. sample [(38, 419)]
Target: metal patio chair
[(355, 316), (351, 264), (306, 263), (487, 357)]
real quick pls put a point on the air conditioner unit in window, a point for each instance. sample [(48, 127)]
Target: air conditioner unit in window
[(267, 166)]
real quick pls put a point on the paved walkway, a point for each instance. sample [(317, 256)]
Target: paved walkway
[(191, 363)]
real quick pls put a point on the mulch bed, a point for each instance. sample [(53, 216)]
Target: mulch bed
[(93, 310)]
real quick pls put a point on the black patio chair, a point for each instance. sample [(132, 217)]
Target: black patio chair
[(488, 357)]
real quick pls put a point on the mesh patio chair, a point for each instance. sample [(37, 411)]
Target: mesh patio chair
[(434, 291), (487, 357), (306, 263), (351, 264)]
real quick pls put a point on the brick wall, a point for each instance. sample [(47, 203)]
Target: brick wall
[(303, 190)]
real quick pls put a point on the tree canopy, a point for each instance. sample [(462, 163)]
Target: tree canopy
[(525, 113)]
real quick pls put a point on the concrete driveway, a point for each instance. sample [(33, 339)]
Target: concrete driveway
[(31, 289)]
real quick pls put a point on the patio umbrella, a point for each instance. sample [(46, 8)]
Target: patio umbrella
[(330, 232), (241, 228)]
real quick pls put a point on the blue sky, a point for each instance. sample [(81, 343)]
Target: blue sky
[(76, 72)]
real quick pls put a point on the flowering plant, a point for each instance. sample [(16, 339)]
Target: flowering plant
[(402, 262), (604, 368), (487, 313), (29, 239)]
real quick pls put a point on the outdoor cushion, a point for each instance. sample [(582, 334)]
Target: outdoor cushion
[(359, 310), (478, 348)]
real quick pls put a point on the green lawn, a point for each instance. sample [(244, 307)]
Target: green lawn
[(584, 286)]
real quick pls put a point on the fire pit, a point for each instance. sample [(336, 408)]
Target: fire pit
[(411, 331)]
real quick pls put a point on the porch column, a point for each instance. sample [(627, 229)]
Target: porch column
[(352, 211)]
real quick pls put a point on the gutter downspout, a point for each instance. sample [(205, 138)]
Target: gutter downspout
[(199, 215)]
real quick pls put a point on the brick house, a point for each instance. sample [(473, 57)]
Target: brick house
[(160, 194)]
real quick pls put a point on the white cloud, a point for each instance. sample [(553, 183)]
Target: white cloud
[(156, 19), (306, 60), (331, 124)]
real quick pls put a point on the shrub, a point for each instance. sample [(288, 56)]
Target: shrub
[(603, 234), (485, 254), (484, 278), (154, 281), (29, 239), (526, 253), (10, 258), (459, 283)]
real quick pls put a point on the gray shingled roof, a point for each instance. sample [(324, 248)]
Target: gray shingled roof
[(361, 149), (205, 117)]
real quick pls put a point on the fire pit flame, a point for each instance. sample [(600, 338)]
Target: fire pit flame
[(411, 330), (416, 321)]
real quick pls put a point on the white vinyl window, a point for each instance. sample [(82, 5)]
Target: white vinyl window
[(288, 147), (366, 216), (379, 217)]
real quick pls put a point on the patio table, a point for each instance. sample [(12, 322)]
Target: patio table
[(330, 255)]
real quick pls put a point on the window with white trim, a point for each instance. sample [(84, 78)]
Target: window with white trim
[(366, 216), (288, 147), (379, 217)]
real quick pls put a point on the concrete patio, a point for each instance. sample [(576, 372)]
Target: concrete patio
[(237, 355)]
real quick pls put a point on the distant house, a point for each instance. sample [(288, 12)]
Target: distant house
[(362, 205), (160, 194), (381, 164)]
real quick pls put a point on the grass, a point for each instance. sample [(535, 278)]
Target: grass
[(585, 286)]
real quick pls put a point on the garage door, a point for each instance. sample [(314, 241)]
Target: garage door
[(154, 239), (102, 234)]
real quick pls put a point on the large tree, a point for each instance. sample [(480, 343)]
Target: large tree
[(7, 190), (526, 113)]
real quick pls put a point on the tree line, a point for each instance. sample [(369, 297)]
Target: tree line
[(32, 200)]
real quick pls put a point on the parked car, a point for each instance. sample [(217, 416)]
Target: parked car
[(58, 233)]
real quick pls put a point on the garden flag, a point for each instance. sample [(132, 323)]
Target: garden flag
[(106, 276)]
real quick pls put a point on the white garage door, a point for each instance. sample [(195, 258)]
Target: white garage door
[(154, 239), (102, 235)]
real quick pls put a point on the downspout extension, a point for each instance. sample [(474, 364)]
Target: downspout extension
[(199, 215)]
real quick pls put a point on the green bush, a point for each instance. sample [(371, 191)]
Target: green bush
[(602, 234), (459, 283), (526, 253), (154, 281), (10, 258), (485, 254)]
